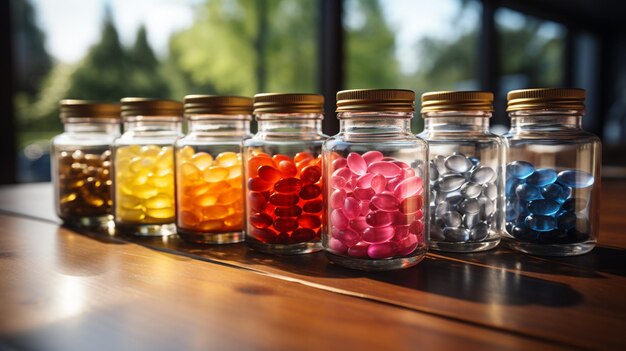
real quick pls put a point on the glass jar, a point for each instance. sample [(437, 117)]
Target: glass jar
[(81, 162), (143, 165), (283, 176), (466, 172), (552, 174), (376, 214), (209, 192)]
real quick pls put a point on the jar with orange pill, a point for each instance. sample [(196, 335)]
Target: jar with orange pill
[(376, 183), (81, 162), (143, 167), (283, 174), (209, 185)]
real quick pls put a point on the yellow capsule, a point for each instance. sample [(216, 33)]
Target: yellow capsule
[(226, 159), (216, 212), (128, 151), (165, 158), (162, 182), (141, 178), (234, 171), (162, 172), (215, 174), (130, 215), (205, 200), (202, 160), (130, 203), (159, 201), (234, 221), (186, 153), (229, 196), (68, 198), (145, 191), (150, 151), (210, 225), (189, 172), (142, 164), (93, 200), (76, 184), (161, 213)]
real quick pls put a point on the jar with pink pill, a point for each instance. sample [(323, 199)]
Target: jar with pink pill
[(375, 174), (465, 170), (282, 174), (209, 184)]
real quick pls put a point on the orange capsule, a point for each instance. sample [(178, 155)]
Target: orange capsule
[(257, 161), (287, 168), (280, 157), (188, 219), (302, 156)]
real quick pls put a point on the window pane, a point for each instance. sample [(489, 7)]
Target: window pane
[(420, 45)]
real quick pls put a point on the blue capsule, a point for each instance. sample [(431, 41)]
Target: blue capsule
[(543, 207), (556, 192), (522, 232), (575, 178), (541, 223), (566, 221), (511, 184), (574, 204), (520, 169), (542, 177), (528, 192)]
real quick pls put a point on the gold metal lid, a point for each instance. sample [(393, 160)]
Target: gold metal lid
[(546, 98), (137, 106), (288, 103), (71, 108), (365, 100), (439, 101), (218, 105)]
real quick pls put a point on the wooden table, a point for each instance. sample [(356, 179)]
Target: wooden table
[(65, 290)]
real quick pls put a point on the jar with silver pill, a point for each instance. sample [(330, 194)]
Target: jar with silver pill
[(552, 174), (374, 179), (81, 162), (143, 167), (465, 162)]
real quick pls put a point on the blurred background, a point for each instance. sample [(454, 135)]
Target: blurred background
[(107, 49)]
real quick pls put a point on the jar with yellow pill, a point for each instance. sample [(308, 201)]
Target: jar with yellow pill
[(209, 193), (283, 174), (143, 167), (81, 162)]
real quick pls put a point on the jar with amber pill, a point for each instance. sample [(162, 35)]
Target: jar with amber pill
[(209, 184), (143, 167), (81, 162), (283, 174)]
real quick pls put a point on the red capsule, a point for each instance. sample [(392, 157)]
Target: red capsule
[(285, 224), (282, 238), (309, 221), (265, 235), (269, 173), (412, 204), (280, 157), (310, 191), (260, 220), (257, 201), (311, 174), (287, 168), (302, 156), (313, 206), (257, 161), (288, 185), (258, 184), (301, 235), (284, 200), (293, 211)]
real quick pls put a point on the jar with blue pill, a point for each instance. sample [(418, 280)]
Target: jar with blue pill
[(465, 171), (552, 174)]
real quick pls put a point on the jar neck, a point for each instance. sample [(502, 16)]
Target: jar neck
[(226, 126), (451, 121), (152, 125), (290, 124), (83, 128), (375, 122), (546, 119)]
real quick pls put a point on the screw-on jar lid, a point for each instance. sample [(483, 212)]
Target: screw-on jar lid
[(288, 103), (217, 105), (440, 101), (137, 106), (71, 108), (546, 98), (365, 100)]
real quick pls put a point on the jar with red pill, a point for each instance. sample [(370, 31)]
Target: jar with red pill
[(465, 169), (209, 184), (375, 178), (283, 174)]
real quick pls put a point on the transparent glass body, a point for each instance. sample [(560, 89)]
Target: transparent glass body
[(81, 171), (209, 182), (374, 173), (466, 181), (282, 174), (143, 170), (552, 183)]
